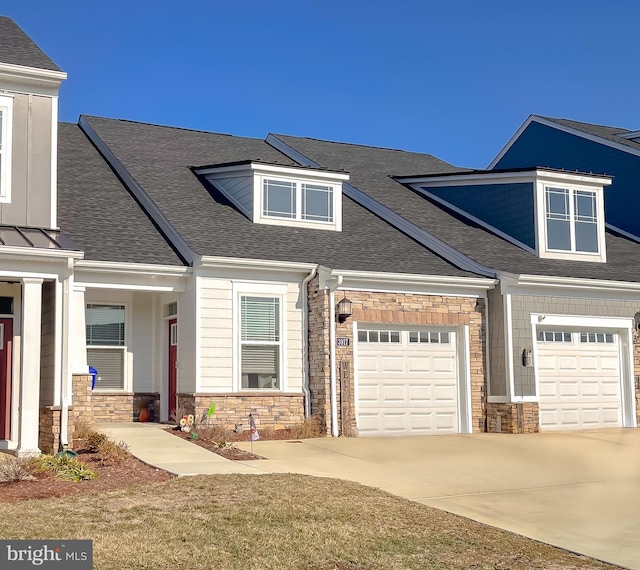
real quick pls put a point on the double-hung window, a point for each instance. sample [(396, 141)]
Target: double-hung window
[(260, 342), (6, 119), (572, 221), (106, 344), (297, 200)]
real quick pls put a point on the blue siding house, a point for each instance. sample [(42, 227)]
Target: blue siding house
[(571, 145)]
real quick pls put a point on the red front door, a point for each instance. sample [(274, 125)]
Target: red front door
[(6, 347), (173, 367)]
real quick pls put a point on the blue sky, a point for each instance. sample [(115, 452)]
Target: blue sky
[(454, 79)]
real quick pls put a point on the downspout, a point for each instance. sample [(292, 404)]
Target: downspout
[(332, 356), (305, 343), (67, 287)]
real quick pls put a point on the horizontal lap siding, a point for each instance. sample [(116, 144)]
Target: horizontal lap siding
[(216, 328), (217, 342), (294, 359), (142, 340), (187, 338)]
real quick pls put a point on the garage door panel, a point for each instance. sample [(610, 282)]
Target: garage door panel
[(392, 364), (412, 388), (368, 363), (394, 394), (568, 389), (442, 364), (579, 384), (418, 365), (420, 394), (567, 363)]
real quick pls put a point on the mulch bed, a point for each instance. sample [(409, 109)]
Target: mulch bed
[(110, 478), (228, 452)]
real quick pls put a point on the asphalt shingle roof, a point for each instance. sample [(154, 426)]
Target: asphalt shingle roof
[(371, 169), (608, 133), (97, 212), (159, 159), (20, 49)]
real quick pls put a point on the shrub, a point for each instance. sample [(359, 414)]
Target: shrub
[(113, 452), (65, 467), (14, 469), (213, 433), (310, 427), (94, 440)]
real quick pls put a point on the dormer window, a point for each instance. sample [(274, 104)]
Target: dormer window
[(6, 120), (281, 195), (297, 200), (572, 220), (551, 213)]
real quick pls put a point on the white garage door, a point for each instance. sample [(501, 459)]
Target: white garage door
[(407, 382), (579, 373)]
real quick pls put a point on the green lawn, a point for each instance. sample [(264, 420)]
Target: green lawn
[(274, 521)]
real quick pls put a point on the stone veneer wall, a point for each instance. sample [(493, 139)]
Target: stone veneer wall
[(123, 407), (318, 353), (513, 418), (277, 411), (390, 308), (50, 416), (49, 435)]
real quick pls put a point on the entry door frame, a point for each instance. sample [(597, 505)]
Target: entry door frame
[(6, 375), (172, 366), (621, 326)]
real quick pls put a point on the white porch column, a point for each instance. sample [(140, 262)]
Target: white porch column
[(29, 407), (77, 332)]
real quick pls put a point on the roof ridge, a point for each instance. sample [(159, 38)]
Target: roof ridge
[(360, 145), (622, 129), (172, 127)]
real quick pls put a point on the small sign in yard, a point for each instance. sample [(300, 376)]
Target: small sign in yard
[(343, 341)]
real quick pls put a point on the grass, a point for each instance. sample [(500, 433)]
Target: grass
[(274, 522)]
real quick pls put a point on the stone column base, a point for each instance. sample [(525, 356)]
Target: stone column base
[(521, 417), (50, 422)]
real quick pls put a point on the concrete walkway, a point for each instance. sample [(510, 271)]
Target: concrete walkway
[(576, 490), (152, 444)]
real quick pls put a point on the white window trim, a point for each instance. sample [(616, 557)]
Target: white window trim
[(258, 209), (127, 375), (541, 221), (266, 290), (6, 136)]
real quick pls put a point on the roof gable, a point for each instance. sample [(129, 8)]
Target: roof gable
[(19, 49)]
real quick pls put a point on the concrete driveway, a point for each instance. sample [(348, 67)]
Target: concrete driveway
[(576, 490)]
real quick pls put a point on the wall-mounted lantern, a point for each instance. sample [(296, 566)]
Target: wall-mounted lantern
[(343, 309), (527, 357)]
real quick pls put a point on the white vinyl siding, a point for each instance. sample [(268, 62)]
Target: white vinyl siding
[(105, 326), (220, 345), (239, 189)]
